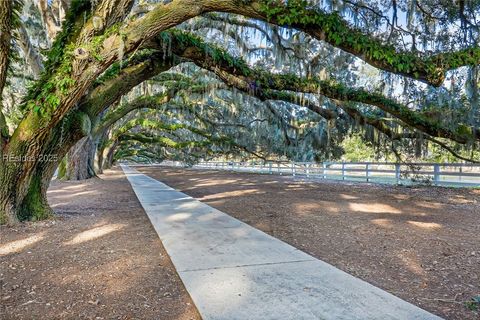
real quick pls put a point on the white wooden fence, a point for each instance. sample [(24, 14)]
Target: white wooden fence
[(447, 174)]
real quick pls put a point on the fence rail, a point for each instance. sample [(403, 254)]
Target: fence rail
[(447, 174)]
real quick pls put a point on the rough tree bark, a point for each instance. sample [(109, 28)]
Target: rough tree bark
[(101, 145), (5, 37), (80, 160), (34, 206), (109, 160), (100, 159)]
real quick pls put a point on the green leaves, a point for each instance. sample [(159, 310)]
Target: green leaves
[(64, 84), (473, 304), (57, 56)]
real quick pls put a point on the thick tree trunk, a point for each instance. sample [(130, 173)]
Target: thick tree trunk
[(23, 197), (100, 152), (17, 173), (80, 160), (110, 156), (101, 143), (24, 179), (35, 204), (5, 37), (8, 199)]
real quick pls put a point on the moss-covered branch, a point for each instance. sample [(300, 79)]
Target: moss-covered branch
[(265, 85), (333, 29), (147, 102), (118, 82), (193, 110), (375, 122), (209, 139), (384, 128), (329, 27), (150, 102)]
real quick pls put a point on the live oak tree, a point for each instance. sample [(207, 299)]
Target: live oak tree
[(101, 50)]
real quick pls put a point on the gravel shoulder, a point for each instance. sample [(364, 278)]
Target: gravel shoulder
[(419, 243)]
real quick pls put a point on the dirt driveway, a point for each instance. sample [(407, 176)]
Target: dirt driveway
[(100, 258)]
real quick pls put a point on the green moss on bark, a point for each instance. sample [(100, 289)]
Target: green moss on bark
[(35, 205)]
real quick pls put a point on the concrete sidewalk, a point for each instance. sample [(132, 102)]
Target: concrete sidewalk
[(234, 271)]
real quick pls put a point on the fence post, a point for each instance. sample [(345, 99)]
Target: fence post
[(278, 168), (308, 170), (293, 169), (367, 172), (324, 167), (270, 168), (343, 170), (436, 174), (397, 173)]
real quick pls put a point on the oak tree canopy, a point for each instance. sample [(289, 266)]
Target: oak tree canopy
[(84, 83)]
